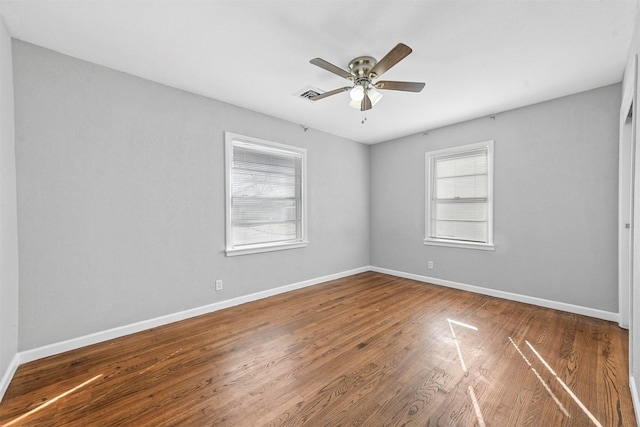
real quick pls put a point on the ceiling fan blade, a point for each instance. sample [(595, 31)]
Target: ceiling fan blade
[(366, 103), (331, 92), (406, 86), (394, 56), (332, 68)]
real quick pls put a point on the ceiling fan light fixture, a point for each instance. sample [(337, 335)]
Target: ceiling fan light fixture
[(356, 93), (374, 95), (355, 104)]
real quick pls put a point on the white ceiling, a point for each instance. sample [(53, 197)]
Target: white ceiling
[(476, 57)]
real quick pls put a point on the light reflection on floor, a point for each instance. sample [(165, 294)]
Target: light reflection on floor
[(476, 407), (564, 386), (472, 395), (455, 339), (553, 396), (471, 392), (49, 402)]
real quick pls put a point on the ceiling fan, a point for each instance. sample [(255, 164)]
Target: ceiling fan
[(363, 70)]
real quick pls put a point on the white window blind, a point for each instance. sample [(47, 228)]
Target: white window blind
[(459, 195), (265, 205)]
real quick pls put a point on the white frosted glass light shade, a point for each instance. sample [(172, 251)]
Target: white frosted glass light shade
[(357, 93), (374, 95)]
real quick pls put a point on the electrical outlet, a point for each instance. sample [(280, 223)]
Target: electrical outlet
[(430, 265), (219, 285)]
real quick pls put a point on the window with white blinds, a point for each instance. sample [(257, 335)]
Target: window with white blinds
[(265, 195), (460, 196)]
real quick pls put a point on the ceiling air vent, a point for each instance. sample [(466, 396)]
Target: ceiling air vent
[(308, 92)]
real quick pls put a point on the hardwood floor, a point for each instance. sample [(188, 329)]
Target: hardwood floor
[(367, 350)]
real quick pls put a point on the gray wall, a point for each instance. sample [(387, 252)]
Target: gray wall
[(121, 200), (8, 221), (556, 180)]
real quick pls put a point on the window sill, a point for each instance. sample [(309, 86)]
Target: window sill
[(463, 245), (265, 248)]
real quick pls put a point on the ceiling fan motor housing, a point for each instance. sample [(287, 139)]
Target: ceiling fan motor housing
[(361, 66)]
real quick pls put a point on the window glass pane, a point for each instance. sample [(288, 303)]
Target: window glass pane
[(474, 163), (257, 183), (263, 233), (245, 158), (474, 186), (461, 230), (247, 210), (461, 211)]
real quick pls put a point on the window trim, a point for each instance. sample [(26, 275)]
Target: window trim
[(230, 250), (429, 160)]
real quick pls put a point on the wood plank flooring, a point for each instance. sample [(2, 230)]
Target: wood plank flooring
[(367, 350)]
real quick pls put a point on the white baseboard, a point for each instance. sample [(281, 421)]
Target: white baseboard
[(8, 375), (634, 398), (585, 311), (109, 334)]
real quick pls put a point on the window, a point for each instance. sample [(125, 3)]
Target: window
[(265, 195), (459, 199)]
